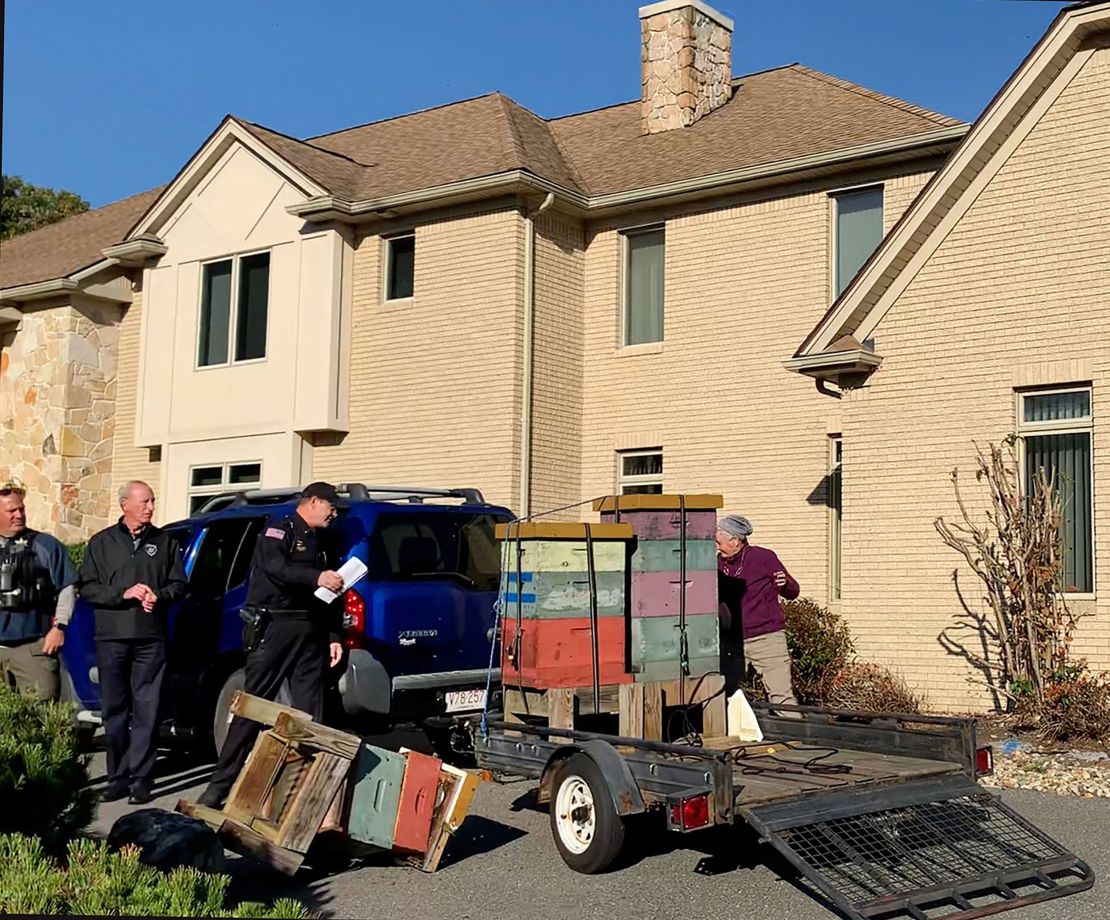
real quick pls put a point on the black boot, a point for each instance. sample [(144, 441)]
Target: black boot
[(214, 796)]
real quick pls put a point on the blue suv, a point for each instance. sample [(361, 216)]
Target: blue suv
[(417, 628)]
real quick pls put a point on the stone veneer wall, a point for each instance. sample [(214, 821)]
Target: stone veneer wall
[(686, 68), (57, 410)]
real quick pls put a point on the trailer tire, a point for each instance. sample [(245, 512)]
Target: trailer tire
[(588, 832)]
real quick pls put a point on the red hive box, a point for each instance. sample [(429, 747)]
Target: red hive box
[(418, 800), (559, 652)]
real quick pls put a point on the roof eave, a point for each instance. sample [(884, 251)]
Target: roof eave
[(330, 207), (136, 252), (836, 366), (36, 290)]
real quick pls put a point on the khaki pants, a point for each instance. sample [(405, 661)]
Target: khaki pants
[(770, 658), (25, 666)]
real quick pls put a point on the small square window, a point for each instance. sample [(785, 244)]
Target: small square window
[(400, 267), (640, 472)]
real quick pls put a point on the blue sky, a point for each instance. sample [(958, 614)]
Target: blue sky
[(110, 98)]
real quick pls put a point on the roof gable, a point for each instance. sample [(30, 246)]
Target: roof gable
[(1044, 74)]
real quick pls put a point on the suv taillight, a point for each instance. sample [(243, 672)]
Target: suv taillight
[(354, 619)]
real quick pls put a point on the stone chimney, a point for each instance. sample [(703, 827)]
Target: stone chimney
[(686, 63)]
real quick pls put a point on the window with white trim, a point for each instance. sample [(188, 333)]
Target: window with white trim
[(234, 307), (836, 455), (857, 232), (640, 472), (644, 257), (211, 479), (400, 266), (1056, 428)]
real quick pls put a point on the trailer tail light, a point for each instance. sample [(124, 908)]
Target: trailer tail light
[(354, 619), (690, 814), (984, 761)]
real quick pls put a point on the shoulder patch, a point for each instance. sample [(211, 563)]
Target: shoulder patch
[(275, 532)]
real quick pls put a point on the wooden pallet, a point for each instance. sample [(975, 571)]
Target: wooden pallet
[(640, 707)]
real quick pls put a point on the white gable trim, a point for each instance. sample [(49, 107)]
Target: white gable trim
[(1007, 121), (229, 133)]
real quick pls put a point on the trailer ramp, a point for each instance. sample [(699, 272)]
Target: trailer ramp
[(942, 848)]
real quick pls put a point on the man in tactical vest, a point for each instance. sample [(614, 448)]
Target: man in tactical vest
[(36, 599)]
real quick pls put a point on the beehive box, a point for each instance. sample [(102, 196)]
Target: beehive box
[(547, 633), (659, 592)]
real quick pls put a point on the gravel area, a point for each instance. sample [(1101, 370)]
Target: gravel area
[(1019, 765)]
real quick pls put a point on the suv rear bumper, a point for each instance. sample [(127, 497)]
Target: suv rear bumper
[(367, 689)]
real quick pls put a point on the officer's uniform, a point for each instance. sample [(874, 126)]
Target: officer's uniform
[(290, 637), (36, 593)]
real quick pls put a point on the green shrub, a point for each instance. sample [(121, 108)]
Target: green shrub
[(864, 687), (99, 882), (43, 780), (820, 646), (76, 554)]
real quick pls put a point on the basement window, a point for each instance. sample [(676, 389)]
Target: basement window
[(640, 472), (400, 269)]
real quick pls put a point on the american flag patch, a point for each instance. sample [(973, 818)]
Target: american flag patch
[(275, 532)]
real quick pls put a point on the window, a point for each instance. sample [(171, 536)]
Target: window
[(249, 276), (400, 266), (208, 481), (1055, 428), (858, 230), (223, 558), (836, 454), (412, 546), (643, 286), (640, 472)]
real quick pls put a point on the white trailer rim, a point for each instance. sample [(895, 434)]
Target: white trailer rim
[(574, 814)]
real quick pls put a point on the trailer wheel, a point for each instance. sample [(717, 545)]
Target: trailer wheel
[(588, 832)]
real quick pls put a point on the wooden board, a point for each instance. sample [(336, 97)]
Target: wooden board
[(243, 840), (562, 530), (666, 555), (666, 525), (319, 737), (418, 798), (375, 785), (564, 593), (559, 652), (304, 813), (259, 710), (457, 788), (641, 711), (530, 701), (557, 555), (256, 780), (658, 502)]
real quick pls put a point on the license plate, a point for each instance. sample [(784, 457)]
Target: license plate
[(465, 700)]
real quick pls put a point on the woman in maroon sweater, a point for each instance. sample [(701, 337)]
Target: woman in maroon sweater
[(751, 579)]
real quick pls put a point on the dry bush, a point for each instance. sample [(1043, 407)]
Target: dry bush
[(1076, 707), (820, 647), (864, 687)]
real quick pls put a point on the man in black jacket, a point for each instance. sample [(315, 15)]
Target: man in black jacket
[(131, 573), (299, 635)]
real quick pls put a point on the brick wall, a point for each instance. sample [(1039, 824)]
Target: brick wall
[(128, 461), (743, 285), (435, 380), (1017, 294), (557, 370)]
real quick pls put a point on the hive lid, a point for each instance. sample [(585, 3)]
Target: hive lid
[(562, 530), (658, 502)]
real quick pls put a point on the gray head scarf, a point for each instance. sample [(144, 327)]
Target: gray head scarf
[(735, 525)]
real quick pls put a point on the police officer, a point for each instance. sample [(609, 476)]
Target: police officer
[(37, 592), (295, 635)]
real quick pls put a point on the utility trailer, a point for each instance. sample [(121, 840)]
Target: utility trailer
[(881, 813)]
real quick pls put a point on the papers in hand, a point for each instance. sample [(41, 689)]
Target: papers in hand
[(351, 571)]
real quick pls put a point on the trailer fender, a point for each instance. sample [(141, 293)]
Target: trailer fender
[(627, 799)]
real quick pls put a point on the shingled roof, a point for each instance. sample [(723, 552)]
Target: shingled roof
[(61, 249), (774, 115)]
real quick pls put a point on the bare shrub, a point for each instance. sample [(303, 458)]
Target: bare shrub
[(865, 687)]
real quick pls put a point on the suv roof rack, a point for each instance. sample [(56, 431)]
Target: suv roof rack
[(353, 491)]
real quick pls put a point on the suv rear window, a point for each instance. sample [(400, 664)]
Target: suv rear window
[(411, 546)]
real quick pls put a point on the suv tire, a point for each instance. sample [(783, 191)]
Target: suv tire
[(221, 718)]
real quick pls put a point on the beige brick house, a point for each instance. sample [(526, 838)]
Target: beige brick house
[(546, 309)]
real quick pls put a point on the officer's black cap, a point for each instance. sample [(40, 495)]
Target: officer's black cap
[(324, 490)]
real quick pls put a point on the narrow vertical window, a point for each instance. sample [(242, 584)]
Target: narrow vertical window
[(836, 455), (858, 231), (1056, 428), (400, 267), (645, 252), (254, 297), (215, 313)]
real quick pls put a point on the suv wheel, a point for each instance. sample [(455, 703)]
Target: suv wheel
[(221, 718)]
